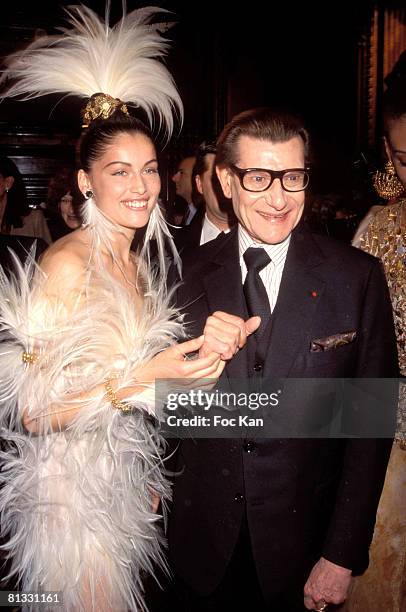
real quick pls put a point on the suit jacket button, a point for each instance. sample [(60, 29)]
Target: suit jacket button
[(258, 367), (249, 447), (238, 497)]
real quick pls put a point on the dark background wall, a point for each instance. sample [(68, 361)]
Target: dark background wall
[(225, 58)]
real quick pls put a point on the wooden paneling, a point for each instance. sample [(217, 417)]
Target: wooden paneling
[(38, 154), (380, 45)]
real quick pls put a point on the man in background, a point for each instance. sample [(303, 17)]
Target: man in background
[(184, 186), (219, 215), (215, 214)]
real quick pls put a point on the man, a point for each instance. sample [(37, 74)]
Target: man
[(279, 524), (215, 215), (183, 183), (218, 214)]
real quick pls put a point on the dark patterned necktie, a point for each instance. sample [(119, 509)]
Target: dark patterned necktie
[(254, 290)]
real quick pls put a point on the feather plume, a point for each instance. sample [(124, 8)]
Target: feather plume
[(123, 61), (157, 229), (103, 229)]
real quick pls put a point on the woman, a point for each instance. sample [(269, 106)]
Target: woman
[(383, 586), (16, 218), (63, 203), (86, 341), (67, 211), (20, 228)]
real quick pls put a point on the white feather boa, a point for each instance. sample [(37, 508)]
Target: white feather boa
[(76, 506)]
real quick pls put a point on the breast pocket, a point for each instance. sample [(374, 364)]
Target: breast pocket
[(337, 361)]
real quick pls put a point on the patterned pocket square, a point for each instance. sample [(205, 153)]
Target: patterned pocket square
[(331, 342)]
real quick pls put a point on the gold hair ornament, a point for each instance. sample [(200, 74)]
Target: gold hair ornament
[(29, 358), (386, 184), (102, 106), (113, 399)]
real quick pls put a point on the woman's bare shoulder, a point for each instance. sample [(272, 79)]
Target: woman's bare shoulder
[(66, 259)]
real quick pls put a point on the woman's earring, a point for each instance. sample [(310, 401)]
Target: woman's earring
[(386, 183), (88, 194)]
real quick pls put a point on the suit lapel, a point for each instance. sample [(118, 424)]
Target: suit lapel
[(223, 289), (300, 291), (223, 282)]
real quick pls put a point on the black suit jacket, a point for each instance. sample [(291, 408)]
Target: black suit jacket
[(21, 246), (302, 497), (188, 236)]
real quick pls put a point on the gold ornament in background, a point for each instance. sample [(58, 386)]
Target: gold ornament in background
[(386, 184), (101, 106)]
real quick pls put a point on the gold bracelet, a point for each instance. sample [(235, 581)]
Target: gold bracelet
[(113, 399), (29, 358)]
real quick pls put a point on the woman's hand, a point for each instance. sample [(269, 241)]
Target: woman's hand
[(226, 334), (173, 362)]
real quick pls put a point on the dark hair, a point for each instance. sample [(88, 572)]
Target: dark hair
[(199, 168), (394, 98), (63, 182), (102, 132), (17, 205), (186, 154), (205, 148), (178, 207), (398, 72), (263, 124)]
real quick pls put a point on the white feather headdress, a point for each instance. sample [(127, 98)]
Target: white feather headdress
[(90, 57)]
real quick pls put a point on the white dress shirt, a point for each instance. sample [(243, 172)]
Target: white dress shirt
[(209, 230), (272, 273)]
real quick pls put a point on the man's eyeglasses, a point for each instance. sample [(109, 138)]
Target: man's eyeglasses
[(260, 179)]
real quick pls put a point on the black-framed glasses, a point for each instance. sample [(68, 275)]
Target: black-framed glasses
[(260, 179)]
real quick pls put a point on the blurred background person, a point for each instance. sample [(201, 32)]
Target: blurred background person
[(184, 186), (383, 586), (215, 213), (218, 211), (17, 218), (390, 183), (331, 214), (363, 226), (175, 213), (67, 210), (63, 203)]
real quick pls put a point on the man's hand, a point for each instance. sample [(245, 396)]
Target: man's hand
[(327, 583), (225, 334)]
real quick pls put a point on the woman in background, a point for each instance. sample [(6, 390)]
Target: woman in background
[(63, 203), (383, 586), (16, 218)]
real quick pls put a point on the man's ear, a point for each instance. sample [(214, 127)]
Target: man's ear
[(199, 184), (83, 181), (9, 182), (224, 176)]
